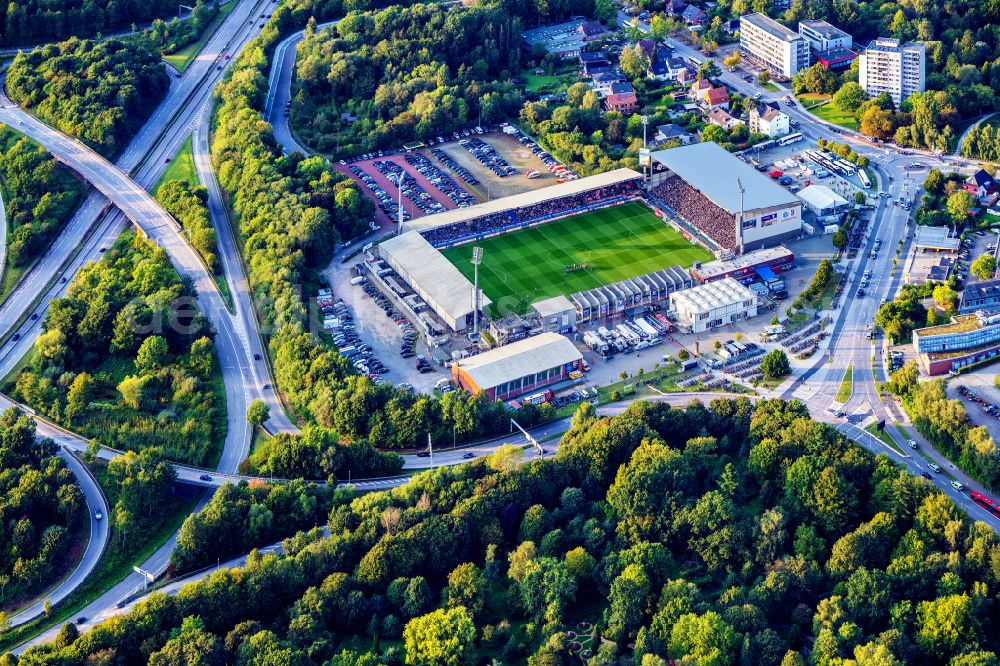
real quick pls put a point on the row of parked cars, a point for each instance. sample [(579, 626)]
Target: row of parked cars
[(407, 348), (460, 170), (386, 202), (545, 156), (411, 189), (488, 155), (439, 179), (988, 407), (340, 323)]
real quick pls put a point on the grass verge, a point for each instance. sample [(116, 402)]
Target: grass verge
[(885, 438), (182, 58), (181, 167), (846, 386)]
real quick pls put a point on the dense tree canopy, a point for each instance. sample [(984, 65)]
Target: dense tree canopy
[(39, 196), (405, 73), (757, 535), (41, 509), (99, 92), (127, 359)]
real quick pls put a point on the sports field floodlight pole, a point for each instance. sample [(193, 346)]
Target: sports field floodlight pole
[(739, 232), (399, 204), (645, 123), (477, 258)]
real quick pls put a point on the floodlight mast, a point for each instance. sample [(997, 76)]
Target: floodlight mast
[(399, 204), (477, 258), (739, 230)]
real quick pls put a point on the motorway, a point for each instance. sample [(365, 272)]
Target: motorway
[(97, 224)]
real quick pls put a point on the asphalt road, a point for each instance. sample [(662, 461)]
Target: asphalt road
[(97, 224), (279, 90), (235, 346), (96, 541)]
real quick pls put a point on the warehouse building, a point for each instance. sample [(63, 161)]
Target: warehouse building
[(522, 367), (713, 305), (435, 279)]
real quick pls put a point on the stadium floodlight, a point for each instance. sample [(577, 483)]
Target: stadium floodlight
[(399, 204), (739, 231), (477, 258)]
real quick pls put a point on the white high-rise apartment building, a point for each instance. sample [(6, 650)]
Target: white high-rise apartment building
[(769, 43), (888, 66)]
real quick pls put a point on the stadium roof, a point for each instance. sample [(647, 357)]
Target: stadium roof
[(935, 238), (513, 361), (432, 276), (713, 171), (524, 199)]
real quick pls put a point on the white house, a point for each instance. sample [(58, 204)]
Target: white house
[(769, 119)]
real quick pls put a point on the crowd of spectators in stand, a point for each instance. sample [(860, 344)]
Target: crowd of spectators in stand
[(511, 219), (697, 210)]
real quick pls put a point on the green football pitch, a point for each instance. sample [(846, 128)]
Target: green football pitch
[(613, 244)]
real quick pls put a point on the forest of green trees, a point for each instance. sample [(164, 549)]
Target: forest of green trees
[(317, 453), (406, 73), (99, 92), (42, 509), (189, 205), (40, 196), (30, 22), (755, 536), (127, 359)]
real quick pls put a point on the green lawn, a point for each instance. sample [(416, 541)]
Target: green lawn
[(540, 82), (181, 167), (846, 386), (182, 58), (611, 244), (829, 112), (886, 439)]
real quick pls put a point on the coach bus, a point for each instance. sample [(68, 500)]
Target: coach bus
[(986, 503), (863, 177), (790, 138)]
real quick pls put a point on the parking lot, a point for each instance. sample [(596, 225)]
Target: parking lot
[(514, 153), (460, 170), (980, 396), (380, 332)]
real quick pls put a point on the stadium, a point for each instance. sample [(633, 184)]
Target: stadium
[(603, 241), (699, 185)]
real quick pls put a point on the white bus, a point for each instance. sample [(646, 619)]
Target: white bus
[(790, 138), (863, 177)]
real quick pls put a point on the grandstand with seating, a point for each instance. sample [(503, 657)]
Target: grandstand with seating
[(464, 225), (698, 187)]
